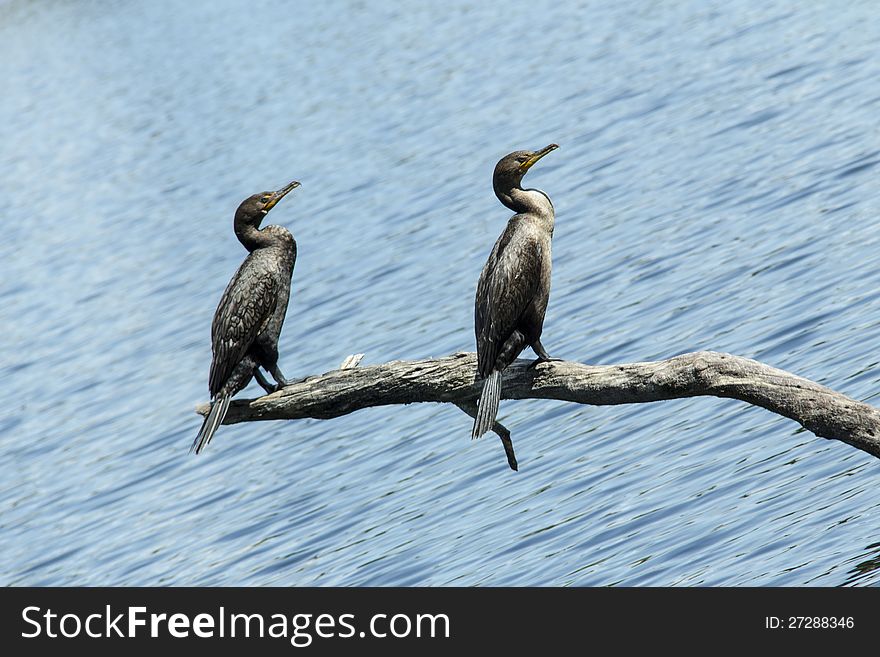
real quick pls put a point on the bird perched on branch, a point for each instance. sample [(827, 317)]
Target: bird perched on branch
[(514, 285), (248, 320)]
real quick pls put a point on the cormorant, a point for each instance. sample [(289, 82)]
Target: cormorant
[(248, 320), (515, 282)]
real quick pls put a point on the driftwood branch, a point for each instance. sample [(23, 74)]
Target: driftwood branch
[(450, 379), (469, 407)]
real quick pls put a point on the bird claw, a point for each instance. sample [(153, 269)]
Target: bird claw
[(286, 383), (538, 361)]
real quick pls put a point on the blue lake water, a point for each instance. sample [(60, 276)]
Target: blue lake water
[(716, 188)]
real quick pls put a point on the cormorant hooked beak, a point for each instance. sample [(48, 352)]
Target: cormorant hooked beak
[(525, 166), (280, 194)]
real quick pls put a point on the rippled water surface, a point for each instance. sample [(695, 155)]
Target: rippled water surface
[(715, 189)]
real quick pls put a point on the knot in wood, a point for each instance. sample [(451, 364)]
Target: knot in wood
[(702, 373)]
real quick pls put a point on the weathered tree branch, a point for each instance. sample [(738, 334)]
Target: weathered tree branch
[(450, 379)]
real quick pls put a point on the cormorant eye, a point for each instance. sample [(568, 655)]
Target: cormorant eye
[(265, 199)]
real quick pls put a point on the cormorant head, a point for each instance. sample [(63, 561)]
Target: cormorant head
[(511, 168), (253, 209)]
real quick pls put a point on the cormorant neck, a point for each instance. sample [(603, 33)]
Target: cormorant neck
[(503, 193), (252, 237), (526, 201)]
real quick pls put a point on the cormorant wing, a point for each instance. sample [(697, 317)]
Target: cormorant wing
[(246, 307), (507, 286)]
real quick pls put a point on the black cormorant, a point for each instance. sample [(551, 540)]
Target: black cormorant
[(515, 282), (248, 320)]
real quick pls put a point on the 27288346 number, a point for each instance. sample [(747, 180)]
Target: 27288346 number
[(820, 622)]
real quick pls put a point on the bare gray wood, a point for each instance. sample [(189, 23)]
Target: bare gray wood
[(450, 379)]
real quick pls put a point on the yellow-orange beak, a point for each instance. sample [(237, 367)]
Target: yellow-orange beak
[(525, 166), (280, 194)]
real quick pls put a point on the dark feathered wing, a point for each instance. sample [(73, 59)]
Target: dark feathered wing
[(243, 312), (508, 284)]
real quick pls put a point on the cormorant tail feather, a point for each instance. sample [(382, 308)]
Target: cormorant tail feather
[(487, 408), (213, 419)]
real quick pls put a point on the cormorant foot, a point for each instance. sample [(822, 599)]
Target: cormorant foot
[(539, 360), (284, 383), (264, 384)]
